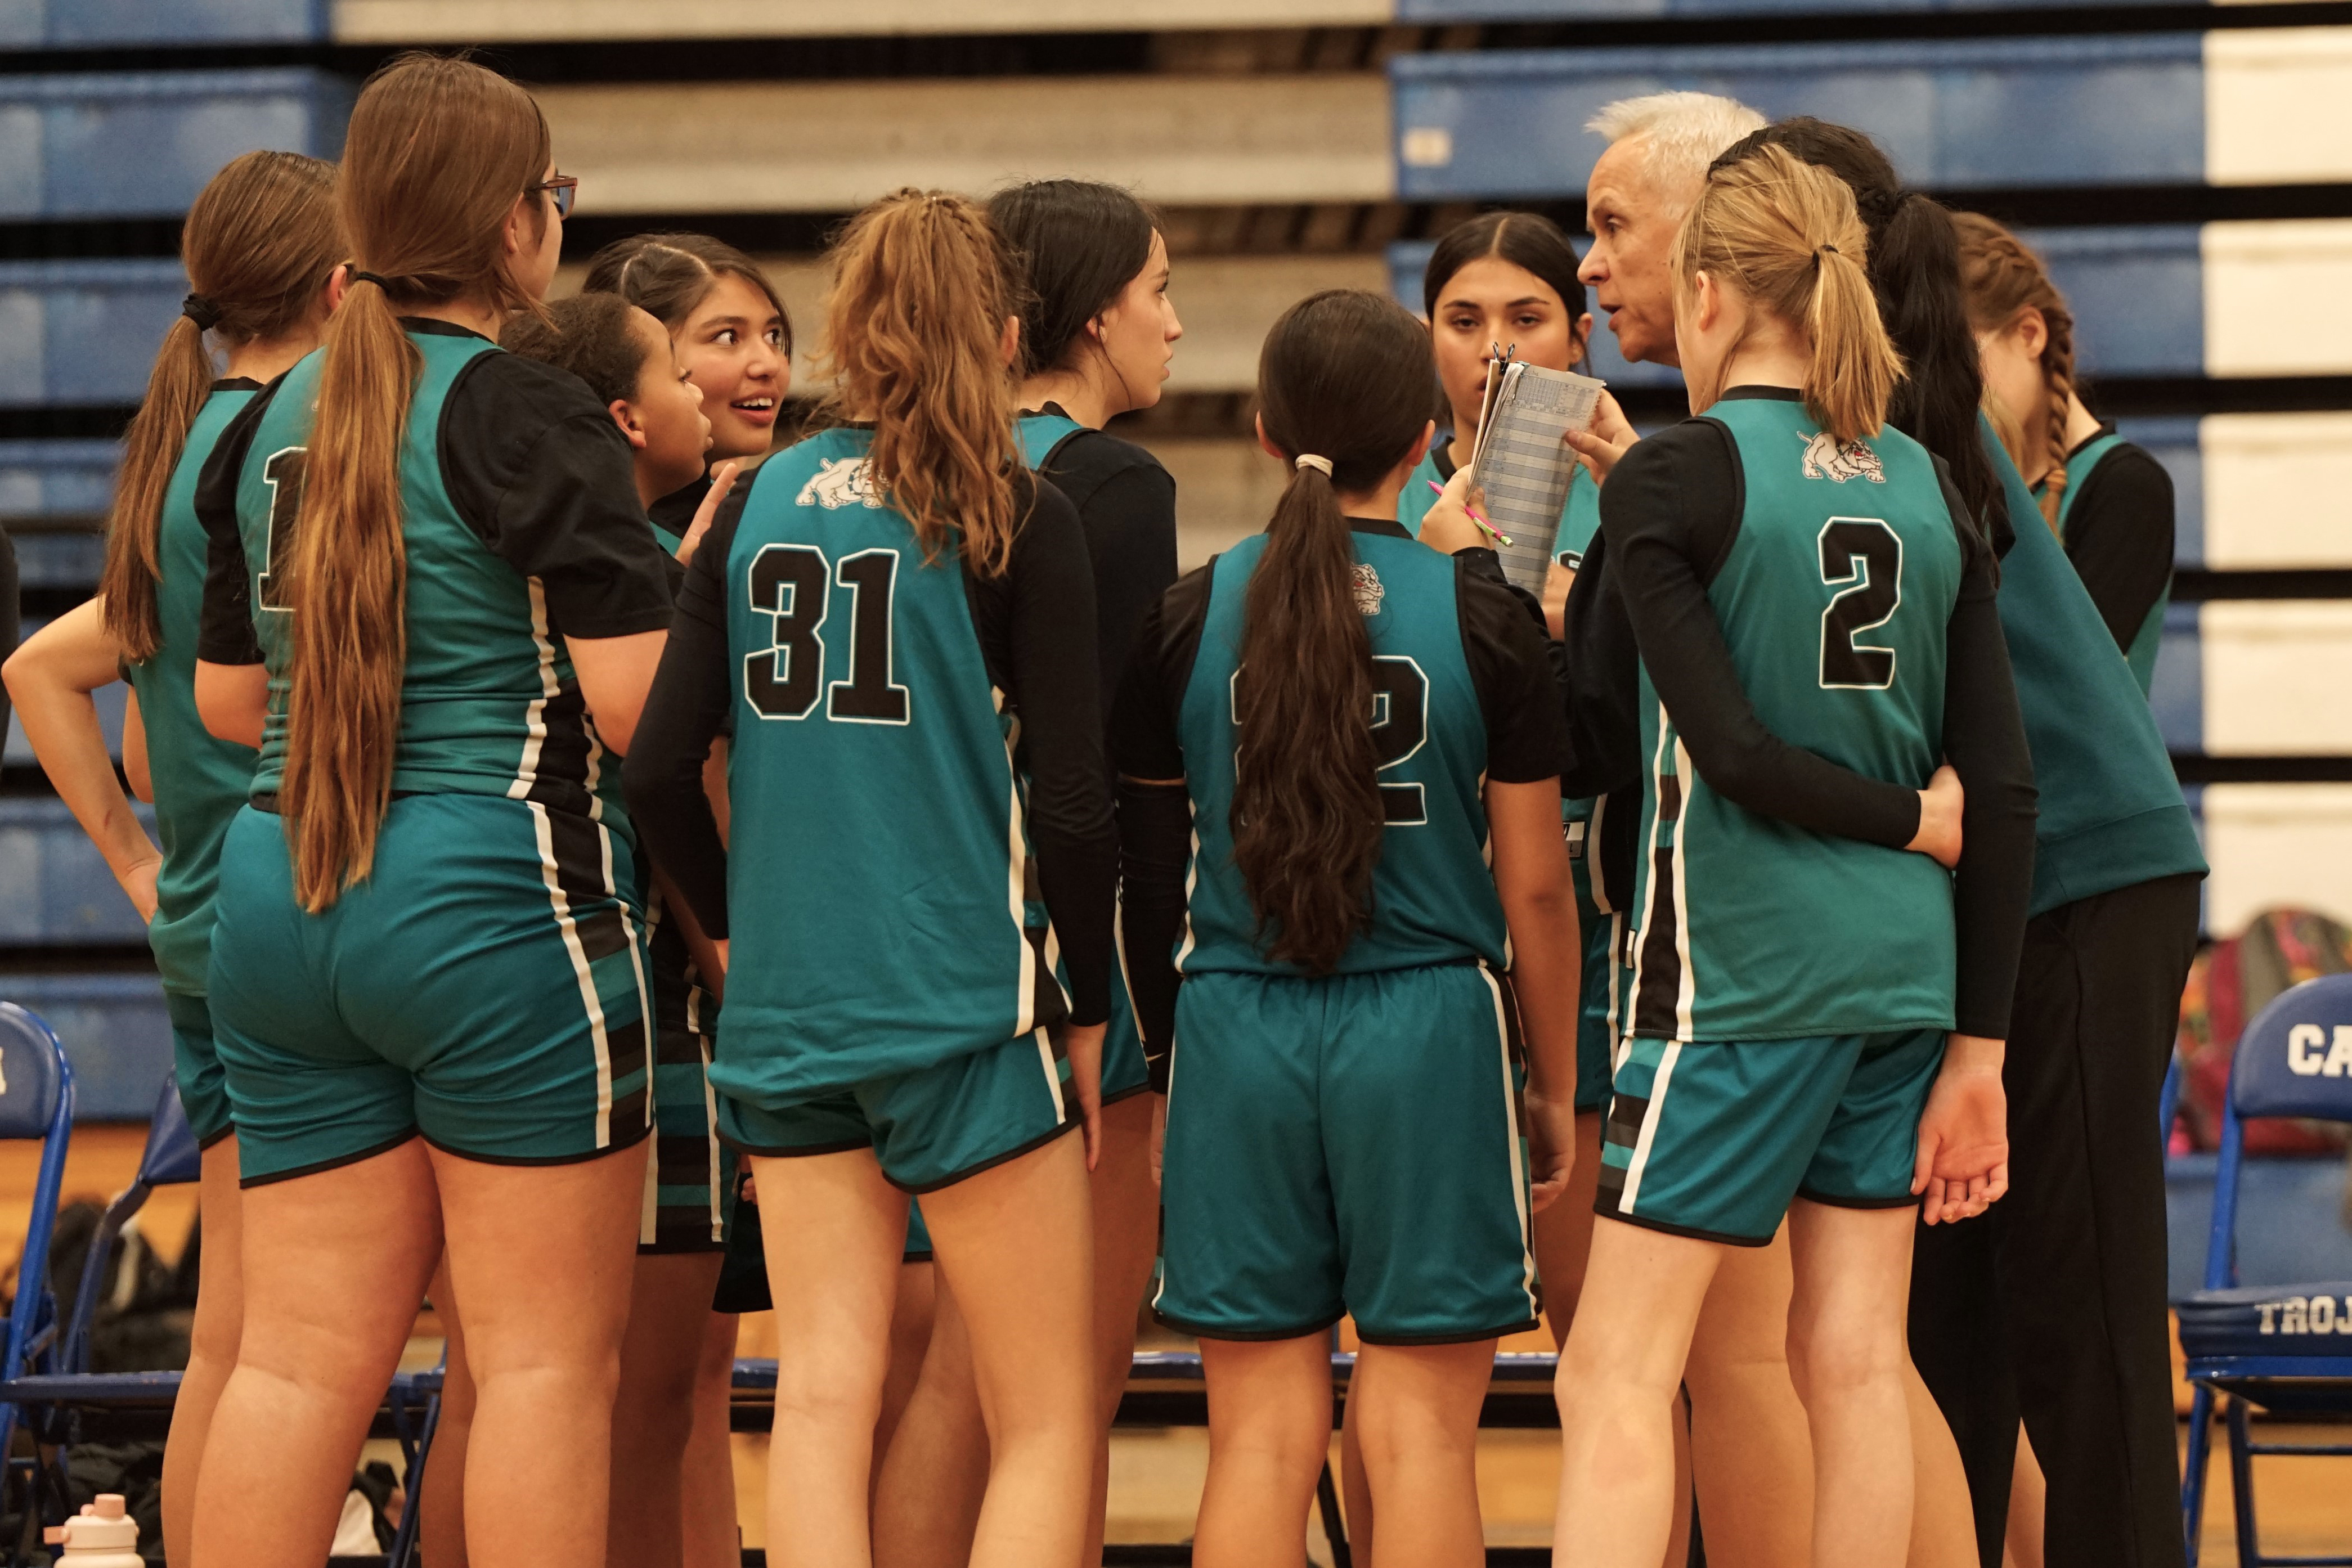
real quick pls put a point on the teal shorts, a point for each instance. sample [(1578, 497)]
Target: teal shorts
[(1346, 1145), (1123, 1070), (485, 986), (931, 1127), (1714, 1140), (195, 1065), (687, 1181)]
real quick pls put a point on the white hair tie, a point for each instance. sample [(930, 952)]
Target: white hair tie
[(1306, 460)]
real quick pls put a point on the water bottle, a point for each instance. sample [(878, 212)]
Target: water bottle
[(100, 1536)]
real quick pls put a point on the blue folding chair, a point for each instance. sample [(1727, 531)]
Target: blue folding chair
[(2285, 1348), (36, 1101), (170, 1158)]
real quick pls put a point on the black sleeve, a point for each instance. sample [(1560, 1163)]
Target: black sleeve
[(1601, 676), (1130, 525), (1155, 849), (2119, 537), (1155, 818), (1145, 740), (693, 692), (1984, 740), (224, 633), (1036, 626), (1519, 694), (540, 472), (1671, 511)]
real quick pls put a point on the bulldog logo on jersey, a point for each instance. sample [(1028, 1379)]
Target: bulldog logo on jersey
[(840, 482), (1825, 459), (1368, 592)]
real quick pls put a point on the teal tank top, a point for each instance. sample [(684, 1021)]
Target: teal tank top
[(878, 876), (199, 782), (2141, 654), (2110, 812), (1833, 599), (1433, 899), (488, 704)]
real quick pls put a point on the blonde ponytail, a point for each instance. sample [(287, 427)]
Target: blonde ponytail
[(1786, 236), (438, 153)]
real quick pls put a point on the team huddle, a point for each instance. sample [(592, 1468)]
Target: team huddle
[(614, 876)]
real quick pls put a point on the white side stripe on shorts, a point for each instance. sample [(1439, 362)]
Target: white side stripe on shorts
[(1649, 1133), (580, 969), (1511, 1139)]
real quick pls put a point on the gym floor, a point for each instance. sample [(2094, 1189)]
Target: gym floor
[(1156, 1473)]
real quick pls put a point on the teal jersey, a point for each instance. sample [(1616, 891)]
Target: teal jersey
[(1434, 898), (1579, 515), (1041, 433), (488, 703), (879, 841), (2109, 811), (199, 782), (2141, 653), (1834, 598)]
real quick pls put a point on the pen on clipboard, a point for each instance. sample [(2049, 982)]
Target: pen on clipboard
[(1491, 532)]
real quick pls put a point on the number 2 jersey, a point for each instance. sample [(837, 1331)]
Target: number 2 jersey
[(1858, 616), (1461, 693)]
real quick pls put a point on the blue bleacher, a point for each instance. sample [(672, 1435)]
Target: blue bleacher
[(1953, 113), (56, 479), (142, 144), (81, 24), (83, 331), (2177, 692), (59, 890), (117, 1034)]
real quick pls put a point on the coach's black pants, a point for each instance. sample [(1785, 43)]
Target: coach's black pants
[(2052, 1305)]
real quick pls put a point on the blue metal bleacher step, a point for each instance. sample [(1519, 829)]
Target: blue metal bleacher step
[(53, 480), (116, 1035), (142, 143), (1953, 113), (83, 331), (55, 888), (82, 24)]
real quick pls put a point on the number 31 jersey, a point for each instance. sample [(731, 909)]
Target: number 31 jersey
[(1461, 693), (1832, 595)]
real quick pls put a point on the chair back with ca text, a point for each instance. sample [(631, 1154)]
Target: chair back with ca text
[(2285, 1349)]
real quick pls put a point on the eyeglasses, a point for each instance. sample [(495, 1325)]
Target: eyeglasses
[(563, 188)]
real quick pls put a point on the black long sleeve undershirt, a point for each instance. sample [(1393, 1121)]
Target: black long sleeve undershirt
[(1670, 513), (2119, 535), (1036, 630)]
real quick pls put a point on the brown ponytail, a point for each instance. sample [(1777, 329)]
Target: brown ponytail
[(437, 154), (2001, 280), (1345, 377), (1785, 235), (921, 290), (257, 245)]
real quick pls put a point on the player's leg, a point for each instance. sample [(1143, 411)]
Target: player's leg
[(1943, 1519), (1126, 1208), (1269, 1435), (1012, 1244), (1752, 1459), (212, 1342), (544, 1380), (934, 1476), (1845, 1348), (1618, 1376), (441, 1528), (708, 1530), (653, 1410), (334, 1263), (914, 1320), (2082, 1258), (833, 1230), (1419, 1425)]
